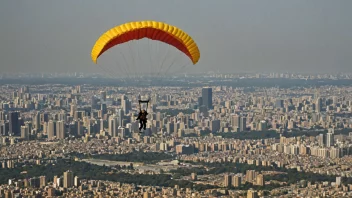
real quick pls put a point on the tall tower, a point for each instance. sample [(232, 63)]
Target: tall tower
[(101, 124), (252, 193), (126, 104), (102, 96), (68, 179), (51, 129), (73, 110), (321, 139), (318, 105), (103, 108), (329, 139), (207, 97), (37, 121), (236, 181), (227, 180), (113, 126), (94, 102), (14, 123), (235, 122), (79, 127), (120, 115), (60, 130), (243, 124), (250, 175), (260, 180), (76, 181), (25, 132), (42, 181)]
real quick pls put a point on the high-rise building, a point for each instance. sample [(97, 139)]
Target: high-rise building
[(37, 121), (243, 124), (103, 108), (76, 181), (2, 115), (235, 122), (94, 102), (250, 175), (321, 140), (294, 149), (121, 115), (236, 181), (55, 181), (170, 127), (215, 126), (334, 153), (126, 104), (73, 110), (147, 195), (207, 97), (51, 129), (51, 192), (42, 181), (60, 130), (4, 128), (338, 181), (102, 96), (59, 182), (14, 124), (252, 193), (200, 101), (329, 139), (25, 133), (260, 180), (102, 121), (262, 125), (113, 126), (79, 127), (44, 117), (228, 180), (318, 105), (279, 103), (68, 179), (34, 182)]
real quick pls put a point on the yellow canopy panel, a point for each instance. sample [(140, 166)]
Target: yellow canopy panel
[(146, 29)]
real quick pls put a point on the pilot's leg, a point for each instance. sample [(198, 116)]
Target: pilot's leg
[(145, 124), (140, 124)]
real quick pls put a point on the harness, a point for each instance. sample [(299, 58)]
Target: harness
[(143, 116)]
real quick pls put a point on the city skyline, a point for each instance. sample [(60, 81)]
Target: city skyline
[(235, 141)]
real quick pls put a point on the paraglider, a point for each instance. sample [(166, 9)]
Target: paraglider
[(152, 30)]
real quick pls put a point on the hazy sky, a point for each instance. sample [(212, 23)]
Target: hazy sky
[(232, 35)]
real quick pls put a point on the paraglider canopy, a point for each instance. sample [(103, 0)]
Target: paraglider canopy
[(146, 29)]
